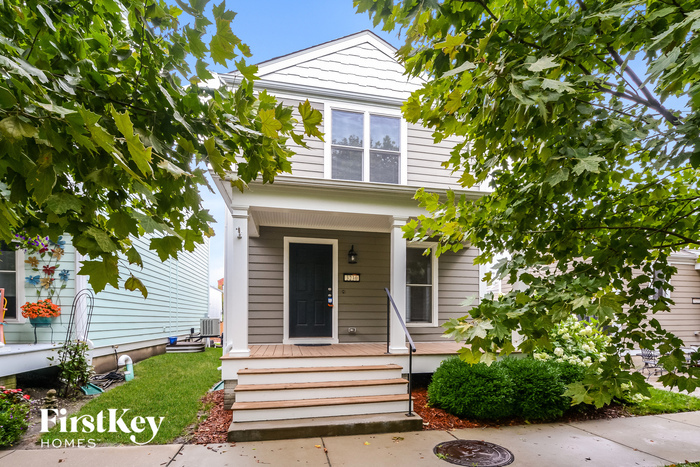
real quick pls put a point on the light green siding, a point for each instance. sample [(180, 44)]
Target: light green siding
[(19, 333), (178, 297)]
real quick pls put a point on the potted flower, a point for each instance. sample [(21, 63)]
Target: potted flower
[(41, 311)]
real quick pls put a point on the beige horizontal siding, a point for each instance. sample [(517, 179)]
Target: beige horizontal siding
[(425, 158), (361, 305), (306, 162), (684, 318)]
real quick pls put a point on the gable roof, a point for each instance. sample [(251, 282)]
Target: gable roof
[(361, 64)]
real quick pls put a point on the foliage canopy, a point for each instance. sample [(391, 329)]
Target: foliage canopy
[(104, 126), (593, 166)]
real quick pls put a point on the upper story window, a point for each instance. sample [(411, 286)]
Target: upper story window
[(365, 146)]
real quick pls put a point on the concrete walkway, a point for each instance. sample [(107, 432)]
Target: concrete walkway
[(655, 440)]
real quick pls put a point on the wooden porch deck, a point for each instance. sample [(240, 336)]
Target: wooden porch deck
[(341, 350)]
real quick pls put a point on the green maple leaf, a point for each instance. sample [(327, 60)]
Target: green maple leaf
[(558, 86), (248, 71), (60, 203), (101, 273), (15, 128), (269, 124), (588, 164), (140, 154), (311, 119), (133, 283), (166, 247), (543, 63)]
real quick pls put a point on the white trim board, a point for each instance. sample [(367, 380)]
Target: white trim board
[(334, 326)]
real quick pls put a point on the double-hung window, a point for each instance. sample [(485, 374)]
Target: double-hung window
[(9, 280), (365, 147), (421, 285)]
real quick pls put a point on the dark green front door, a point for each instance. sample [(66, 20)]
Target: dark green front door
[(310, 283)]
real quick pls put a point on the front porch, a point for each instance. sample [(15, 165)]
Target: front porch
[(292, 390), (20, 358), (426, 359)]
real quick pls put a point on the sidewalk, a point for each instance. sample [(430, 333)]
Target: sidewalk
[(655, 440)]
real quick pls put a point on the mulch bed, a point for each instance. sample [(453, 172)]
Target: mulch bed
[(437, 419), (215, 428)]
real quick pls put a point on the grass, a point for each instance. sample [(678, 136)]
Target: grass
[(168, 385), (665, 402)]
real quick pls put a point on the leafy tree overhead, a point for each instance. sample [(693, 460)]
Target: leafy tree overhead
[(104, 126), (582, 115)]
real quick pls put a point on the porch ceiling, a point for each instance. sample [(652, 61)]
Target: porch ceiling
[(321, 220)]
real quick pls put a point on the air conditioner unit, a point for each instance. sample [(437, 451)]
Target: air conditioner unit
[(209, 327)]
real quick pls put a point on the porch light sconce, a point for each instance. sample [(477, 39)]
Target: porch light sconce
[(696, 300), (238, 229), (352, 255)]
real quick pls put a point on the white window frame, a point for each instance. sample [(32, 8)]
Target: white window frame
[(434, 265), (330, 106), (19, 283)]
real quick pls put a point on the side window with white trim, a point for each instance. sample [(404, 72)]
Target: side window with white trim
[(8, 280), (421, 286)]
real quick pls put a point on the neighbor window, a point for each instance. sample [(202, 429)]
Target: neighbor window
[(8, 280), (421, 286), (365, 147)]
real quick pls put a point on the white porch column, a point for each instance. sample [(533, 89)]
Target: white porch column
[(397, 338), (236, 284)]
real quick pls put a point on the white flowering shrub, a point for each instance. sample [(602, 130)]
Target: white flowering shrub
[(577, 342)]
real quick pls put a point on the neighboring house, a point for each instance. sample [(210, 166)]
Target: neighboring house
[(683, 319), (307, 258), (178, 297)]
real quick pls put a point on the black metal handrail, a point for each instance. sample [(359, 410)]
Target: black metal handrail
[(412, 347)]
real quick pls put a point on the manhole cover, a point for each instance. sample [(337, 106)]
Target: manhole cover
[(474, 453)]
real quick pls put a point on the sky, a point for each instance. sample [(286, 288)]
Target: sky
[(272, 28)]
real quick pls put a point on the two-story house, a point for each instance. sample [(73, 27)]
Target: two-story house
[(308, 258)]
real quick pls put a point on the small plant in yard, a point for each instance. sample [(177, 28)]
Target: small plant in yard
[(14, 415), (74, 368)]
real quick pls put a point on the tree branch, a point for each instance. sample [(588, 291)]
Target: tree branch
[(653, 102), (686, 240)]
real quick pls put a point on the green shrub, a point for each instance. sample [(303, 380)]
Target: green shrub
[(537, 388), (523, 387), (569, 372), (471, 391), (14, 415)]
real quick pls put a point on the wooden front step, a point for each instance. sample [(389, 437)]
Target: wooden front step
[(318, 390), (317, 374), (324, 407)]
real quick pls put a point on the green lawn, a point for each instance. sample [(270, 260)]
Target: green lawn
[(665, 402), (168, 385)]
